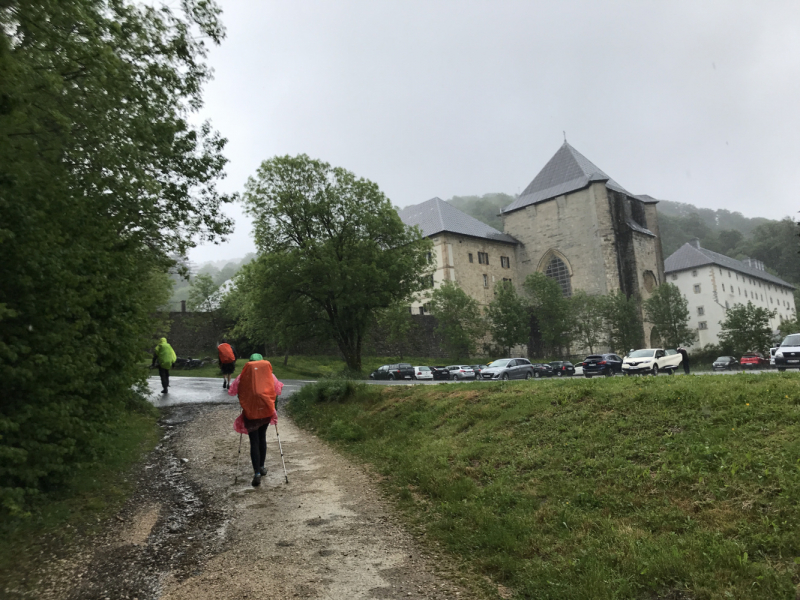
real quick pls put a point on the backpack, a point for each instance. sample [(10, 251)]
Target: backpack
[(226, 354)]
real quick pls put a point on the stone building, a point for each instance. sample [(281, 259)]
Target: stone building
[(465, 250), (573, 223), (712, 283)]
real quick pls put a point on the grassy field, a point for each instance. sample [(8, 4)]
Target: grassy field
[(96, 491), (641, 488)]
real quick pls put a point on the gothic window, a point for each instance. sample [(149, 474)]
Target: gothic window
[(650, 281), (556, 269)]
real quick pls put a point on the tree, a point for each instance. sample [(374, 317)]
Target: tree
[(459, 319), (509, 321), (102, 178), (789, 326), (551, 309), (746, 329), (396, 322), (588, 323), (623, 321), (668, 311), (333, 250)]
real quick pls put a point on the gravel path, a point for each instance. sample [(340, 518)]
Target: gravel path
[(189, 533)]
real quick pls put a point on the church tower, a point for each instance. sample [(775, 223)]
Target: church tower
[(577, 225)]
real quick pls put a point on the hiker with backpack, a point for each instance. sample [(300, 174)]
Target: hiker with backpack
[(258, 390), (165, 356), (227, 362)]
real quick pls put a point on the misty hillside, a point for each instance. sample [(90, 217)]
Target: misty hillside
[(776, 243), (220, 272)]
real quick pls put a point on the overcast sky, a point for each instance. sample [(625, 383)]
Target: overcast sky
[(696, 102)]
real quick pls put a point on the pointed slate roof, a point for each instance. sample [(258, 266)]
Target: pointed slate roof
[(690, 257), (566, 172), (436, 216)]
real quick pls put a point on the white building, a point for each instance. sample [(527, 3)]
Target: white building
[(713, 283)]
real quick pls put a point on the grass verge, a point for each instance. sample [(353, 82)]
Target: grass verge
[(640, 488), (95, 492)]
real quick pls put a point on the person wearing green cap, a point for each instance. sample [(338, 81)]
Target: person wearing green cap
[(165, 356)]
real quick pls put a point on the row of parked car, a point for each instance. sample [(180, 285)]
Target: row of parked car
[(503, 368)]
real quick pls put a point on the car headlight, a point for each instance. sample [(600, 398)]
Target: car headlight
[(779, 353)]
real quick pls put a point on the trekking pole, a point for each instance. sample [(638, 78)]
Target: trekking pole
[(281, 449), (238, 461)]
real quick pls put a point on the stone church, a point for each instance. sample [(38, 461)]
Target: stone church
[(573, 222)]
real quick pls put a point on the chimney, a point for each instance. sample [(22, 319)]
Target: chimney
[(695, 243), (183, 306)]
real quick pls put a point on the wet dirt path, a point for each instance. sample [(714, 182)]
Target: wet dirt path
[(189, 532)]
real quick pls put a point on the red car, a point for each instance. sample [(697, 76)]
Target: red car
[(754, 360)]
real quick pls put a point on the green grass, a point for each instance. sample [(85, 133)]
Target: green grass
[(95, 492), (640, 488), (313, 367)]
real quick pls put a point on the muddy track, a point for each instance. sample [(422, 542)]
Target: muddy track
[(189, 532)]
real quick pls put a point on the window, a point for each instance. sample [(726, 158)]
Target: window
[(557, 270), (740, 290), (485, 280), (723, 287), (674, 277), (505, 262), (720, 271), (483, 258), (507, 279), (429, 281), (703, 325), (470, 257), (729, 273), (726, 304), (700, 311), (422, 310), (694, 273), (697, 288), (430, 258)]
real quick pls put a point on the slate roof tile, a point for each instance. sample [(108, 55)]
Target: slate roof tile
[(435, 216)]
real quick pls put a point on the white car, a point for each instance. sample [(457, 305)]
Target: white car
[(651, 360), (578, 369), (423, 373)]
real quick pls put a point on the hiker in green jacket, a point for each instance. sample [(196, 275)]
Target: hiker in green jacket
[(165, 356)]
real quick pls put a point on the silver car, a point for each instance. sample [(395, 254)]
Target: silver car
[(461, 372), (509, 368)]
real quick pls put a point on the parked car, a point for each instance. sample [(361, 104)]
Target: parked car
[(542, 370), (395, 371), (651, 360), (478, 370), (787, 356), (562, 368), (725, 363), (578, 369), (423, 373), (753, 360), (461, 372), (508, 368), (602, 364), (440, 373)]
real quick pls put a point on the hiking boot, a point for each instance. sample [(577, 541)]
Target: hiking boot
[(257, 480), (224, 384), (164, 391), (263, 470)]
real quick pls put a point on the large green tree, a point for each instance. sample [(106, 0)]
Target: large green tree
[(333, 249), (551, 310), (746, 329), (668, 311), (459, 319), (508, 317), (623, 319), (102, 177), (588, 322)]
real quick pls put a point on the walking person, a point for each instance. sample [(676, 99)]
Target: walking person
[(164, 355), (684, 359), (258, 390), (227, 362)]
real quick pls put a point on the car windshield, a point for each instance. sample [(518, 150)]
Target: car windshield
[(643, 353), (791, 340), (500, 363), (723, 359), (424, 368)]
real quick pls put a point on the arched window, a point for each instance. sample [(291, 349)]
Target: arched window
[(557, 269)]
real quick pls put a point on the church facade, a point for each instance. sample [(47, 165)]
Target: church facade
[(574, 223)]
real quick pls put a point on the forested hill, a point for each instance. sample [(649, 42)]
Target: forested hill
[(776, 243)]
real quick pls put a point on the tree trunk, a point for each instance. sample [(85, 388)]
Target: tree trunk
[(286, 358)]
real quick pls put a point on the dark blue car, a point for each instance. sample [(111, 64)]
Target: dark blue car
[(602, 364)]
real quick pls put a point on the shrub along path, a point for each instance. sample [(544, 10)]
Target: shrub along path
[(669, 487)]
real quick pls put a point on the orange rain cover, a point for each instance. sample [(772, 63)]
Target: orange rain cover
[(257, 390), (225, 353)]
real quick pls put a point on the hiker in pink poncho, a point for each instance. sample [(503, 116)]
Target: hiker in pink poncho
[(258, 390)]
